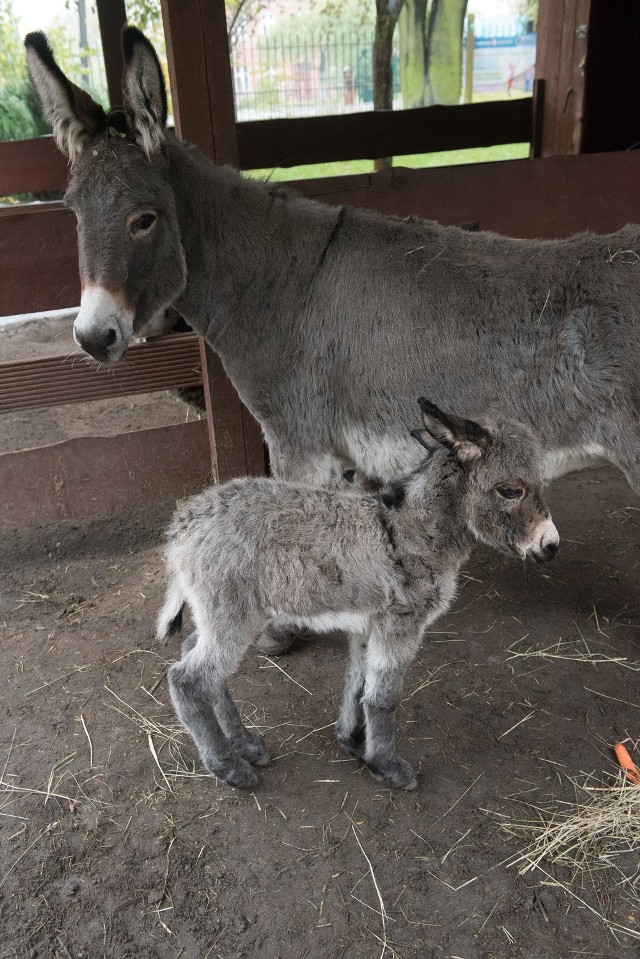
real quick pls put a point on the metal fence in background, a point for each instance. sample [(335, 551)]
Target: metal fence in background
[(305, 76), (285, 75)]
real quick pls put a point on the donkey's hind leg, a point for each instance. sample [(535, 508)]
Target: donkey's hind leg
[(200, 696)]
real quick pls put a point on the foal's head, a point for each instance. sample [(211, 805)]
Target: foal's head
[(132, 264), (500, 481)]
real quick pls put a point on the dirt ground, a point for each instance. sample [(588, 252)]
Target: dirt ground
[(114, 844)]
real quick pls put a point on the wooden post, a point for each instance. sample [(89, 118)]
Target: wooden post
[(202, 92), (536, 120), (112, 16), (563, 28)]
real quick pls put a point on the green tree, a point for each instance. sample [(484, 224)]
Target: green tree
[(11, 52), (431, 51), (20, 115)]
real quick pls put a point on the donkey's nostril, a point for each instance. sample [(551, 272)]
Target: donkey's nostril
[(550, 550), (111, 337)]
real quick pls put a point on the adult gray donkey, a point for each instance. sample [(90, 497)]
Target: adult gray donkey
[(330, 322)]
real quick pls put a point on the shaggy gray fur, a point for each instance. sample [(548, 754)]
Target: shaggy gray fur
[(380, 566), (331, 321)]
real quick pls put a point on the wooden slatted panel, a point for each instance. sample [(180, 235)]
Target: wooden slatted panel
[(160, 364), (552, 197), (98, 476), (37, 164)]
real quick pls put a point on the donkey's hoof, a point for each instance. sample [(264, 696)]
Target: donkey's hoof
[(395, 772)]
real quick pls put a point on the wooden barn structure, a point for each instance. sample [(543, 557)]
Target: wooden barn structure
[(582, 122)]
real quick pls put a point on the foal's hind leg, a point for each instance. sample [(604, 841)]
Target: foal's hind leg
[(249, 745), (203, 704)]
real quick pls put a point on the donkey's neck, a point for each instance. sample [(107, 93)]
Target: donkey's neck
[(241, 239)]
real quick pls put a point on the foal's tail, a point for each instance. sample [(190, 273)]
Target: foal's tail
[(170, 616)]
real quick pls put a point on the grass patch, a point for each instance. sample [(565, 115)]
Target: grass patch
[(507, 151)]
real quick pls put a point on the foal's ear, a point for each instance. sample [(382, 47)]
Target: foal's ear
[(465, 437), (74, 116), (145, 95)]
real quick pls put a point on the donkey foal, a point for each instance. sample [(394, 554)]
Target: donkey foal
[(381, 567)]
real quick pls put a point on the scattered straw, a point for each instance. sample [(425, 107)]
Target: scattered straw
[(572, 650), (161, 735), (58, 679), (588, 836), (519, 723), (383, 911), (84, 726), (285, 673)]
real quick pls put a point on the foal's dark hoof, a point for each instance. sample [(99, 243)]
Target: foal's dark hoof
[(394, 772), (354, 745), (254, 750), (274, 645), (237, 772)]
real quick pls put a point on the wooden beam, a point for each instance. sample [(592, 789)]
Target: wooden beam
[(368, 136), (102, 475), (202, 95), (162, 363), (112, 16), (562, 33)]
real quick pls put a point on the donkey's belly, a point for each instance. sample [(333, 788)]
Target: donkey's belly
[(557, 462), (378, 457)]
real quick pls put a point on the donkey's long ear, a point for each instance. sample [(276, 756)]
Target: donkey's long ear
[(145, 95), (74, 116), (465, 437)]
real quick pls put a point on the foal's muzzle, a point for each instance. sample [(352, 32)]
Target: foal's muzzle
[(546, 542)]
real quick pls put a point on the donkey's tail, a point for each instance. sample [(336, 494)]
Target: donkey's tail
[(170, 616)]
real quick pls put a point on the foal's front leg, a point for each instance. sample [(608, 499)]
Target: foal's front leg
[(388, 655), (350, 727)]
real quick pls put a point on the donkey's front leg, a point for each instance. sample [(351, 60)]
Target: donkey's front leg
[(350, 729), (388, 656)]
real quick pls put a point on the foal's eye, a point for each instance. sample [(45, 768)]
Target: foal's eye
[(508, 492), (143, 223)]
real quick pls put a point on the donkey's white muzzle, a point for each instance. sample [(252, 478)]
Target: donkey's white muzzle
[(545, 542), (102, 328)]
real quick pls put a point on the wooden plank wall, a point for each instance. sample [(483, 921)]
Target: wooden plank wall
[(554, 197)]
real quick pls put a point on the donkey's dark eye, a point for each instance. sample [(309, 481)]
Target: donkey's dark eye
[(508, 492), (143, 223)]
